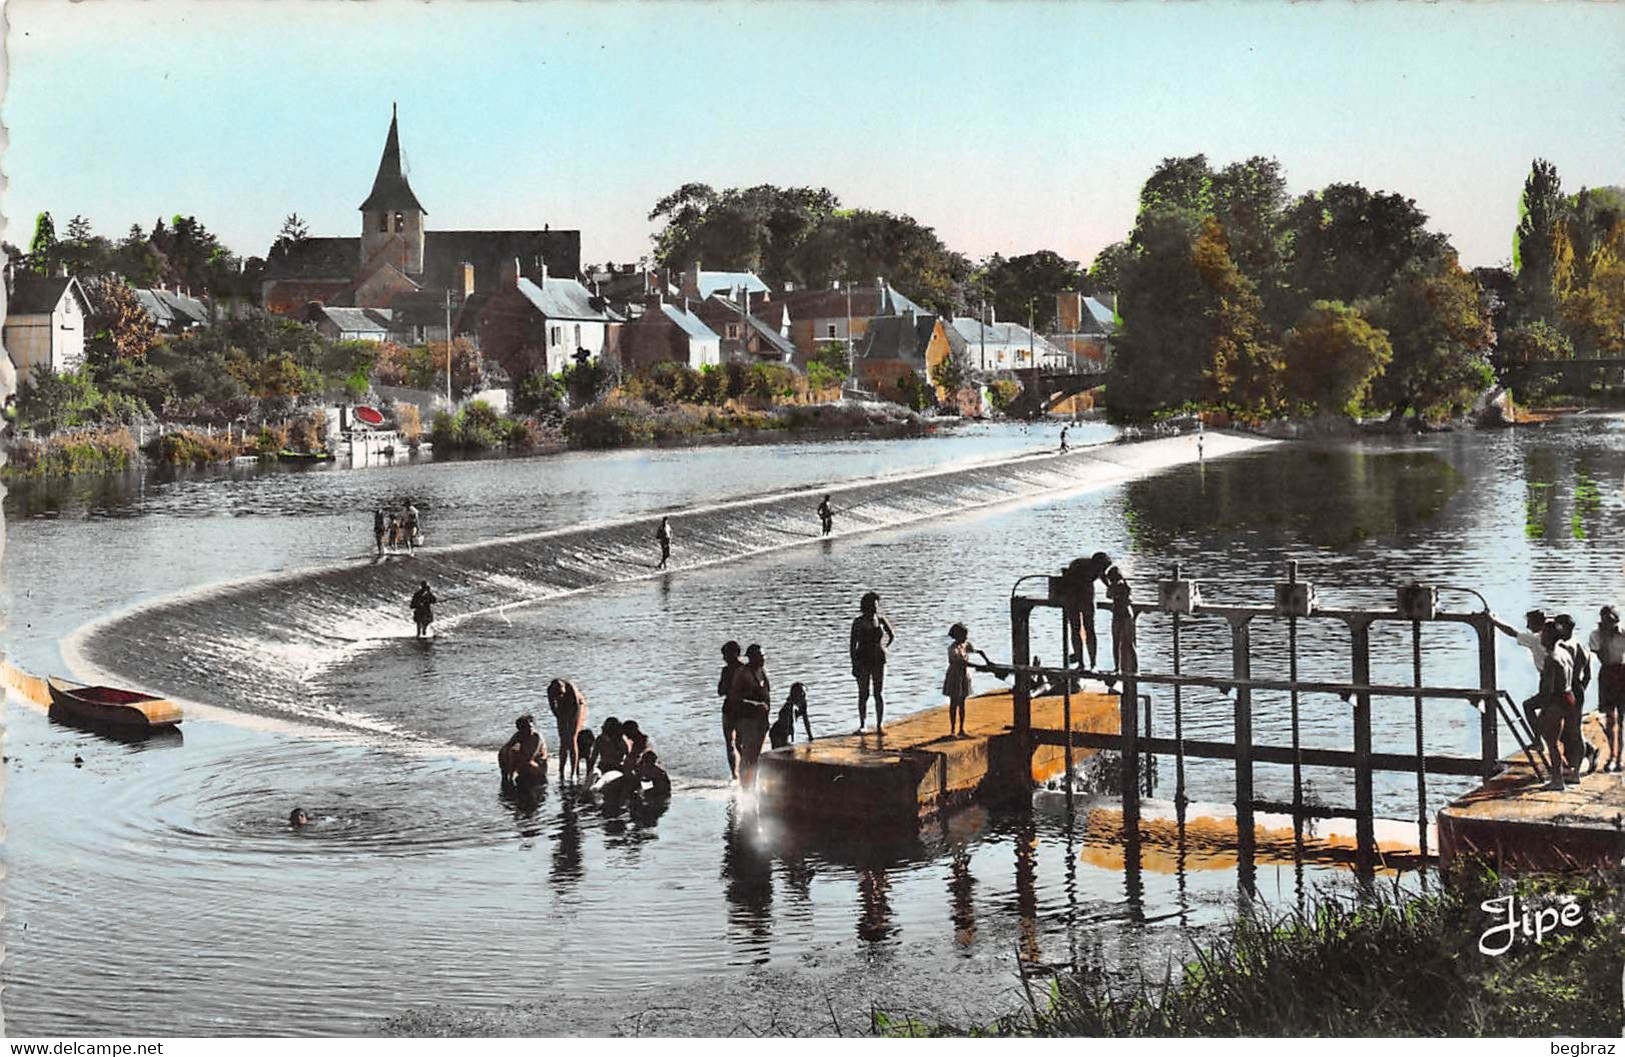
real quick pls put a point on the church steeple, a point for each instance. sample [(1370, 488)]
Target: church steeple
[(392, 216), (390, 191)]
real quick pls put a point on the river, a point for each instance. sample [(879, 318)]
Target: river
[(156, 889)]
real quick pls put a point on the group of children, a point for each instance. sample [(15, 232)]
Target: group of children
[(621, 753), (395, 529), (1567, 668)]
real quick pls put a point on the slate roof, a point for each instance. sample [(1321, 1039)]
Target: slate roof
[(1012, 335), (359, 320), (169, 309), (1103, 315), (688, 322), (867, 300), (730, 283), (390, 190), (563, 299), (443, 255), (37, 295), (718, 311), (904, 337)]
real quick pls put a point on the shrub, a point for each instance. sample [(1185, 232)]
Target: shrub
[(308, 433), (527, 434), (409, 421), (86, 451), (271, 441), (772, 381), (1000, 392), (443, 432), (614, 423), (822, 378), (185, 447), (539, 393), (479, 427)]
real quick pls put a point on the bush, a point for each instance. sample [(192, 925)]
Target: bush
[(664, 383), (443, 432), (527, 434), (479, 427), (409, 422), (272, 440), (774, 381), (539, 393), (185, 447), (1000, 392), (822, 378), (308, 433), (86, 451), (615, 423)]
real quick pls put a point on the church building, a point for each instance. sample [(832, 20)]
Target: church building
[(397, 263)]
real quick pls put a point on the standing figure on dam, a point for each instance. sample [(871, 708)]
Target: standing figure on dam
[(957, 683), (569, 710), (423, 608), (871, 635), (1608, 643), (1077, 588), (826, 514), (750, 729), (379, 528), (663, 537), (524, 758), (730, 702), (409, 526), (1064, 431)]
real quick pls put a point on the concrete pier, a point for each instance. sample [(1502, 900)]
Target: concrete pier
[(1514, 823), (917, 769)]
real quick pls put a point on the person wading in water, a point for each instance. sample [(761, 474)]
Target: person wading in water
[(663, 537), (826, 514), (871, 635), (569, 710), (754, 693), (730, 702), (423, 608)]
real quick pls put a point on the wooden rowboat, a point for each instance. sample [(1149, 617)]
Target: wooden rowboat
[(108, 706)]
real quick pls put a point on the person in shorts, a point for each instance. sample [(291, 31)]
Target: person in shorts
[(1608, 643)]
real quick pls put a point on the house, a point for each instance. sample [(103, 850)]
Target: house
[(543, 323), (173, 312), (45, 325), (895, 346), (745, 336), (350, 324), (999, 346), (1084, 327), (668, 331), (396, 255), (840, 313)]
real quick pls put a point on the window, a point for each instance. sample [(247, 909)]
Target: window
[(553, 335), (383, 221), (832, 330), (733, 330), (400, 221), (578, 335)]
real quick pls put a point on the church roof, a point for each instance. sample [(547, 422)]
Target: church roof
[(390, 189)]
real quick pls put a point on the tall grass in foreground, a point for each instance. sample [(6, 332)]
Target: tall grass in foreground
[(1378, 963)]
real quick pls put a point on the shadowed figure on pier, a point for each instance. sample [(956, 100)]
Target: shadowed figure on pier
[(783, 731), (1077, 584), (871, 635), (750, 729)]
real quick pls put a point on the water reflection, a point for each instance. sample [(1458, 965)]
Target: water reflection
[(747, 873)]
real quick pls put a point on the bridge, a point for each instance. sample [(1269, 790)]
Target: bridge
[(1043, 388)]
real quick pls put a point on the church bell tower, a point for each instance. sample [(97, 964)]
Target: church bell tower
[(392, 216)]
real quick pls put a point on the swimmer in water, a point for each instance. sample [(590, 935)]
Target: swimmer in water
[(297, 819)]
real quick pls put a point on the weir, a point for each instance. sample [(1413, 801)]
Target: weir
[(259, 645)]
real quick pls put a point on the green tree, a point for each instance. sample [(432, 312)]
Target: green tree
[(1105, 273), (293, 233), (1535, 242), (1332, 356), (1026, 283), (1440, 331), (1348, 244), (914, 392), (42, 250), (953, 372), (137, 259), (1241, 359)]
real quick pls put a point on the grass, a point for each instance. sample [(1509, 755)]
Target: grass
[(1372, 963), (71, 452)]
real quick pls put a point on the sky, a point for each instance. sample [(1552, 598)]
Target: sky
[(1007, 126)]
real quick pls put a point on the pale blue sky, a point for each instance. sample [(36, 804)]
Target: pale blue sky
[(1006, 126)]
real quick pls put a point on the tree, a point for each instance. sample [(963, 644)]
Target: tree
[(1440, 331), (83, 252), (1242, 362), (1028, 283), (914, 392), (42, 250), (1332, 356), (120, 328), (294, 231), (1590, 271), (1347, 244), (953, 372), (1535, 243), (138, 260), (1107, 270)]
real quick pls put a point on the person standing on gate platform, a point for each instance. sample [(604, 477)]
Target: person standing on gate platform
[(1077, 583), (1608, 643), (871, 635), (1559, 714), (1529, 639), (1125, 650)]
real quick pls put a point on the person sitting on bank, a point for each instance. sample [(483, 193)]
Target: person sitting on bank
[(1608, 643), (524, 757), (783, 731)]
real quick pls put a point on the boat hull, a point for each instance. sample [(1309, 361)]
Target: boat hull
[(108, 706)]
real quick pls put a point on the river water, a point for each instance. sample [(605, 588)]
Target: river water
[(154, 888)]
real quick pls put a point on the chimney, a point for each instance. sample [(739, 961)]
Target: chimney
[(467, 271), (510, 272), (543, 280), (691, 280)]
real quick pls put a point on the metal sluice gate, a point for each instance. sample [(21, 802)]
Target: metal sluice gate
[(1180, 600)]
